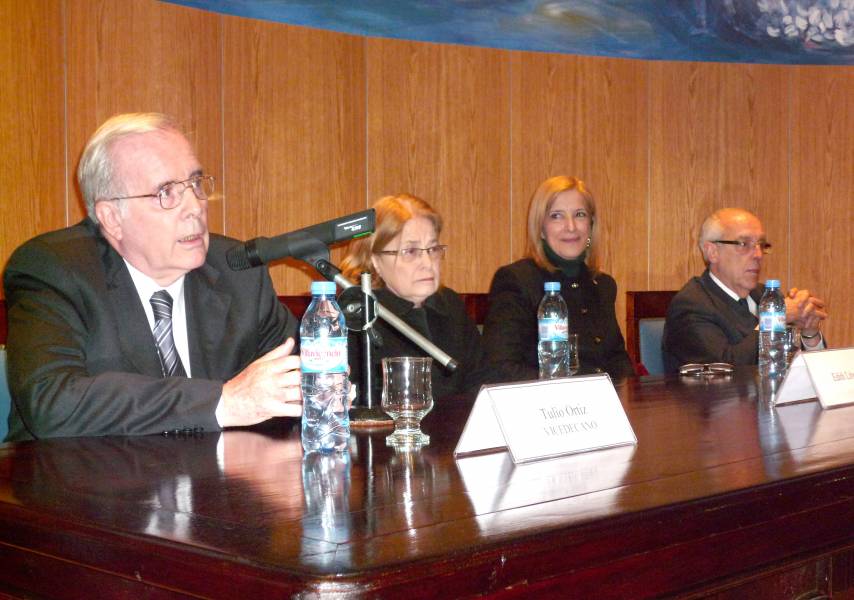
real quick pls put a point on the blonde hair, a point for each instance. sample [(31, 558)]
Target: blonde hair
[(95, 170), (541, 203), (392, 214)]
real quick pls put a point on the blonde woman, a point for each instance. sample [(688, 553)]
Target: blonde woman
[(561, 247)]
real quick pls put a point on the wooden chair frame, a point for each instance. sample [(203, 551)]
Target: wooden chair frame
[(643, 305)]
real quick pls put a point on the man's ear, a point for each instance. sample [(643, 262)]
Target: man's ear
[(110, 218), (710, 249)]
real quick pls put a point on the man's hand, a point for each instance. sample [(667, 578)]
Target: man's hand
[(805, 310), (269, 387)]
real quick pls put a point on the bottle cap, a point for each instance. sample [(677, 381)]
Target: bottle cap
[(552, 286), (324, 288), (772, 283)]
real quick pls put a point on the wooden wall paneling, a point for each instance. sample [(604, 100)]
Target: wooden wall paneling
[(32, 121), (718, 137), (142, 56), (438, 127), (295, 133), (822, 248), (586, 117)]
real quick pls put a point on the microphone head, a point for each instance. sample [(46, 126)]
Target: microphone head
[(237, 258)]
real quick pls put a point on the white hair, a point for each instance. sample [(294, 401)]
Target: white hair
[(95, 170), (713, 227)]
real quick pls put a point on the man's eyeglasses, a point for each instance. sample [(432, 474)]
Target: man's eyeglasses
[(706, 370), (745, 247), (411, 254), (170, 194)]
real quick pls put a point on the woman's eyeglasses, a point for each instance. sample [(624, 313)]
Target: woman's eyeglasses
[(435, 253)]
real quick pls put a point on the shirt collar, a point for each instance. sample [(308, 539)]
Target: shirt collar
[(146, 286), (751, 303)]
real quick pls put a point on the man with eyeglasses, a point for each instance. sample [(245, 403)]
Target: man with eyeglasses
[(713, 317), (130, 322)]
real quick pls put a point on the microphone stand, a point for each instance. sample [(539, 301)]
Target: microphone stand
[(316, 253), (368, 414)]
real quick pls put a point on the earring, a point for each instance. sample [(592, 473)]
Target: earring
[(588, 242)]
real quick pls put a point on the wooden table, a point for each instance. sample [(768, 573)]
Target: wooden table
[(722, 495)]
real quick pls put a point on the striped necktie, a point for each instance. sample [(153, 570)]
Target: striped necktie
[(170, 362)]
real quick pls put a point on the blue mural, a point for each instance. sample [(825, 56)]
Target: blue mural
[(760, 31)]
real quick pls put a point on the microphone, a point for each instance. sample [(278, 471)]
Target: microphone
[(300, 243)]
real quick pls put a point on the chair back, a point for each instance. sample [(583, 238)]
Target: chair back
[(645, 312), (5, 396), (4, 325)]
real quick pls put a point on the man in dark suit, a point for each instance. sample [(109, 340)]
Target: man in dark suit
[(713, 317), (130, 322)]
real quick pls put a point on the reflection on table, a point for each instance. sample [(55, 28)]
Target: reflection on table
[(715, 473)]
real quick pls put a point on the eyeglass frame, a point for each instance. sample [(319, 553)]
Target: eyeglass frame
[(169, 186), (706, 370), (439, 250), (743, 247)]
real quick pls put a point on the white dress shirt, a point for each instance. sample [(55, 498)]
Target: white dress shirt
[(751, 303), (145, 287)]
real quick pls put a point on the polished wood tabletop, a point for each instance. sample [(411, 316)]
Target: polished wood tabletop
[(719, 485)]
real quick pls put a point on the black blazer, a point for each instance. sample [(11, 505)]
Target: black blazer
[(444, 321), (510, 334), (704, 324), (82, 358)]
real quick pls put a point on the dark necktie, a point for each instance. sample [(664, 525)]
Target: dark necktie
[(744, 307), (170, 362)]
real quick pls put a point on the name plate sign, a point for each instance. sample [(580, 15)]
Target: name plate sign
[(543, 419), (828, 374)]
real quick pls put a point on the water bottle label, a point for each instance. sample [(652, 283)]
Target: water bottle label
[(323, 354), (772, 321), (554, 330)]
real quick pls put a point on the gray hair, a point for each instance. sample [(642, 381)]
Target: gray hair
[(710, 230), (713, 227), (95, 170)]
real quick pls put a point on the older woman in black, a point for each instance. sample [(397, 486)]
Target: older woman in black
[(561, 247), (404, 257)]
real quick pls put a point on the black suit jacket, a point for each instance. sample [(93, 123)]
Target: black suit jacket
[(444, 321), (510, 334), (82, 358), (704, 324)]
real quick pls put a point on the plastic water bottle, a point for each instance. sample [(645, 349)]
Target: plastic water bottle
[(553, 321), (326, 488), (323, 352), (772, 331)]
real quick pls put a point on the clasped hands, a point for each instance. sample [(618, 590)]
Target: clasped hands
[(805, 311)]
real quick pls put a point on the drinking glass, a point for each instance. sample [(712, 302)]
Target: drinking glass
[(792, 342), (574, 363), (407, 397)]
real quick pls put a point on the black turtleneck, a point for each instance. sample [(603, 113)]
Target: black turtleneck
[(570, 267)]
